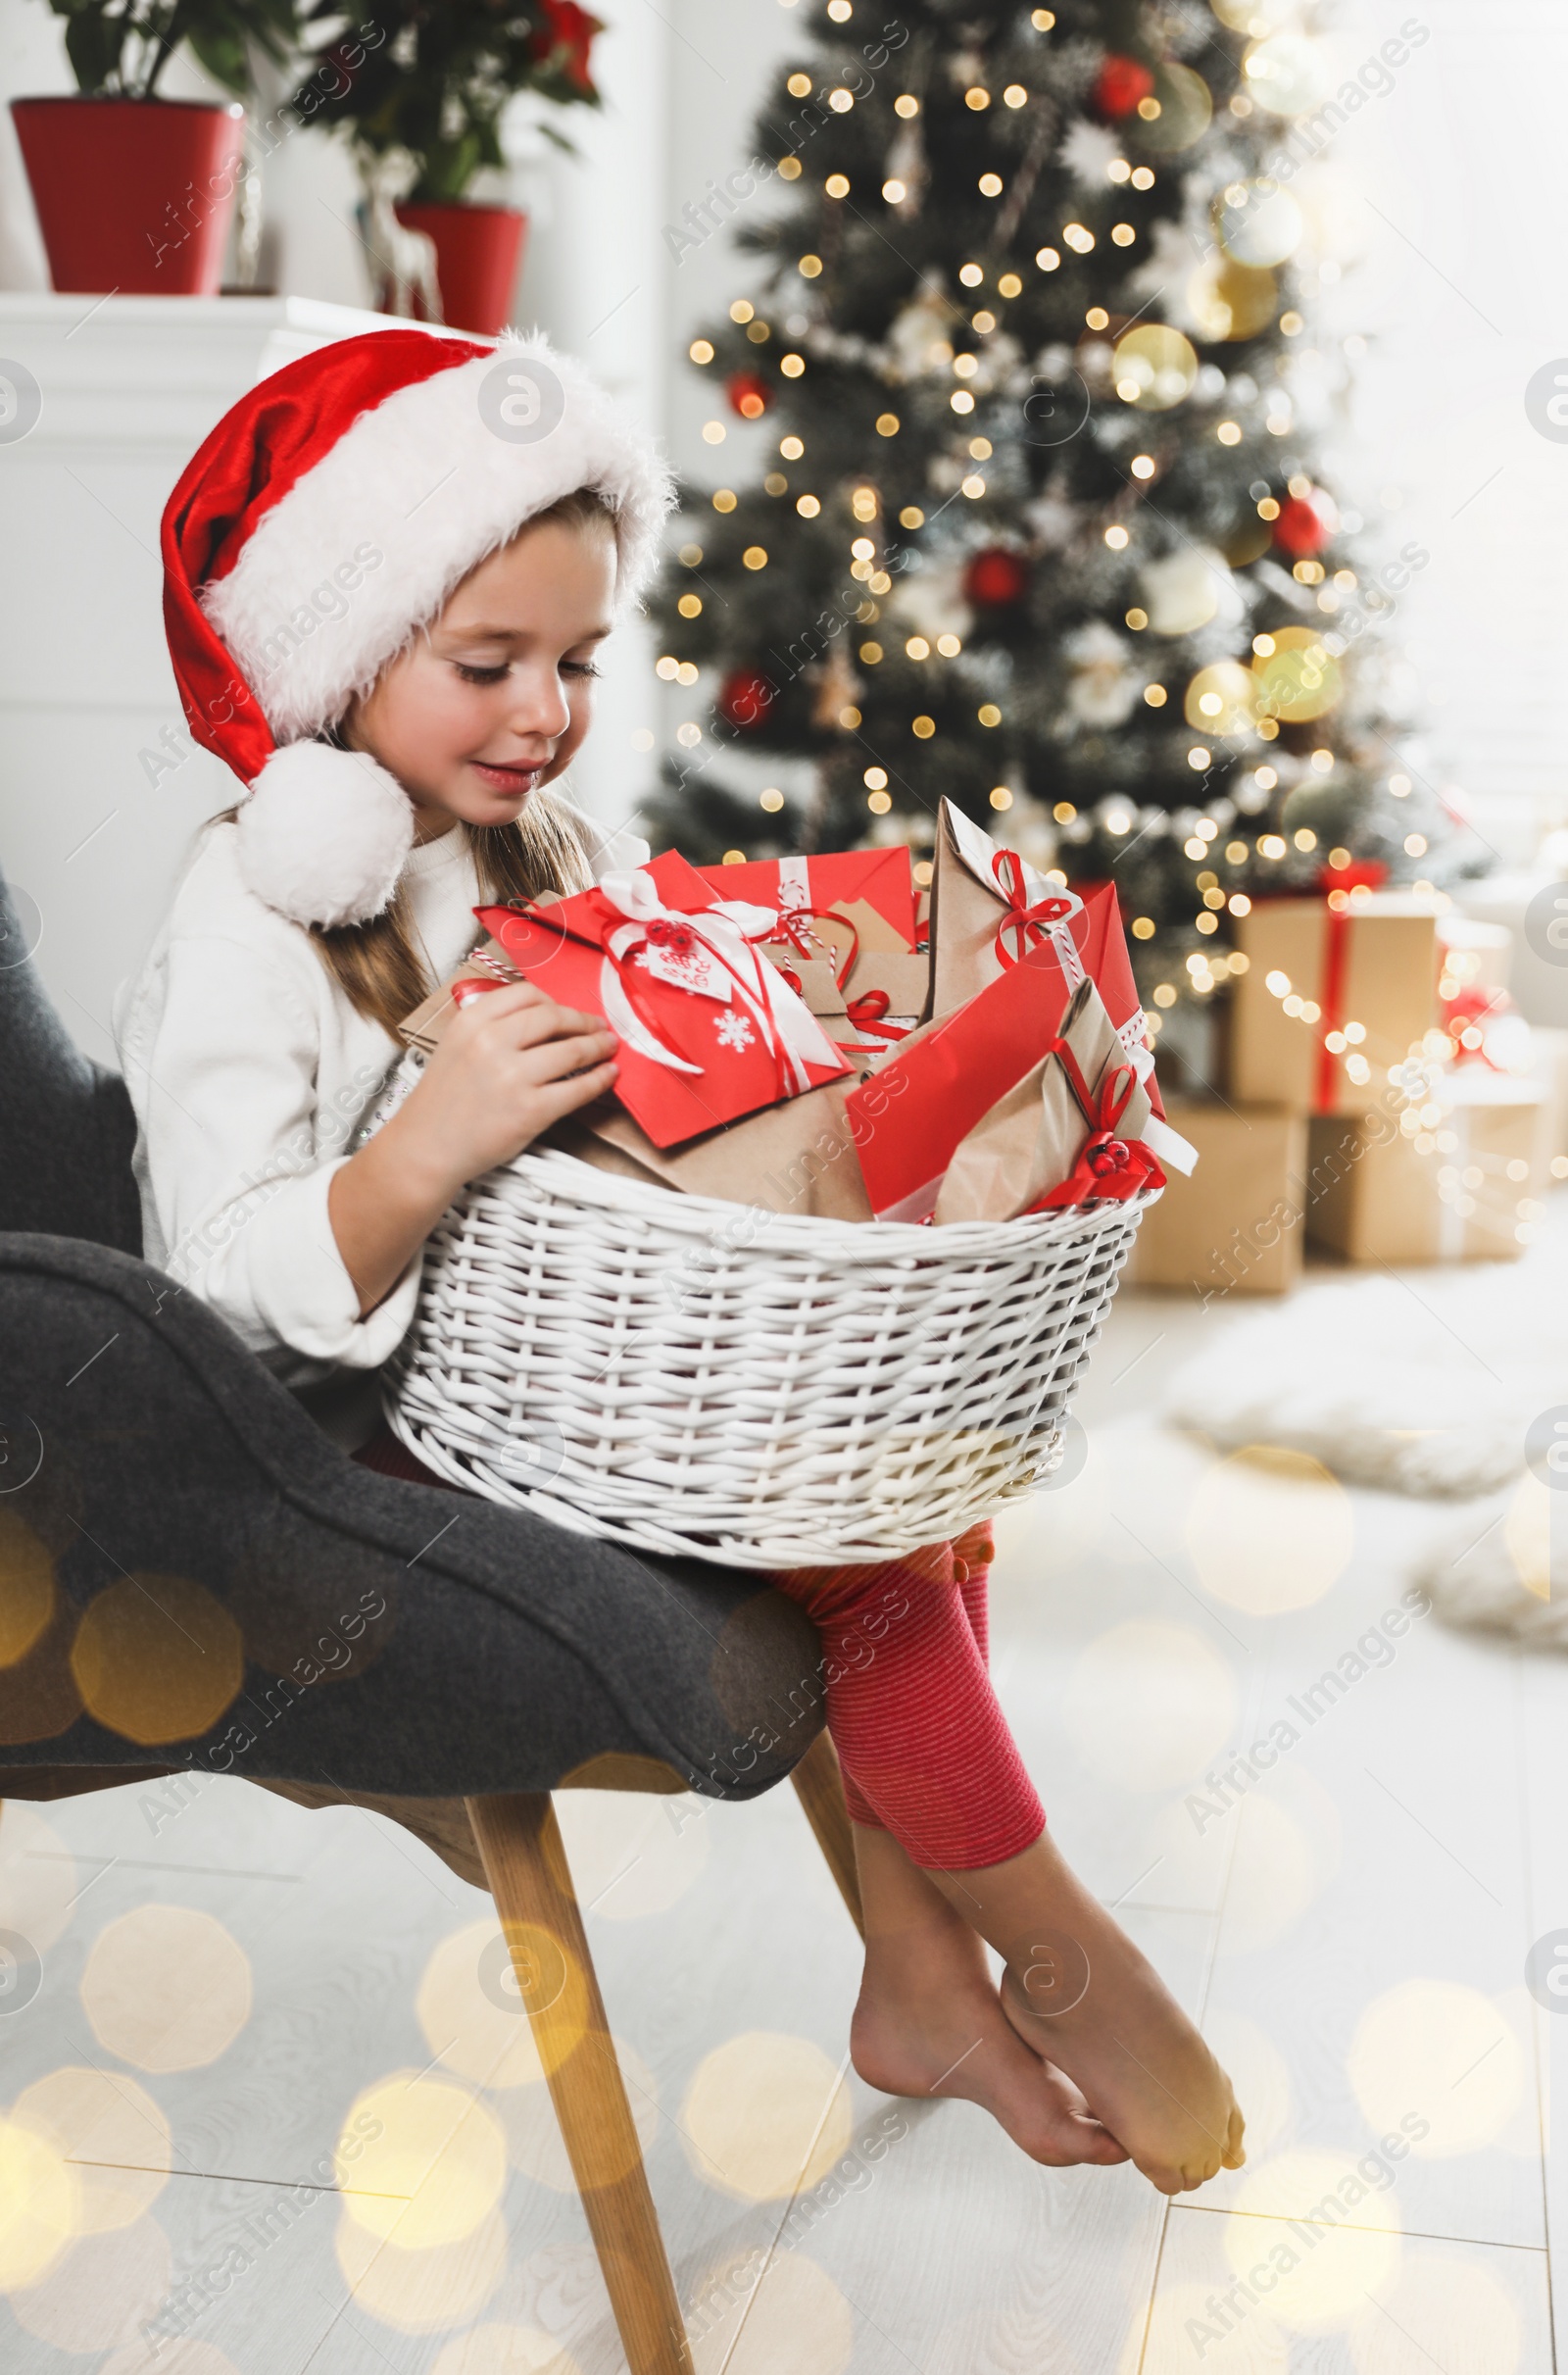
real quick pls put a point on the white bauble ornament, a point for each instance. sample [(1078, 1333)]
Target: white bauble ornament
[(1104, 685), (1187, 589)]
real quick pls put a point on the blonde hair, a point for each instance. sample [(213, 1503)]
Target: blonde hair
[(375, 963)]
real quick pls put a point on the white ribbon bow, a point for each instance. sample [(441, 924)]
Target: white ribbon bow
[(720, 962)]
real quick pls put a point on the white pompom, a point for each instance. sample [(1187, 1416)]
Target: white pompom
[(324, 833)]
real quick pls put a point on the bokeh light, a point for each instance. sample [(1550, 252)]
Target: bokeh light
[(798, 2319), (1149, 1704), (419, 2292), (1219, 699), (114, 2135), (431, 2165), (632, 1855), (1444, 2052), (39, 2210), (480, 2035), (1448, 2310), (100, 2292), (1527, 1530), (1288, 74), (1269, 1530), (536, 2145), (1274, 1876), (26, 1587), (1259, 223), (765, 2114), (40, 1882), (166, 1988), (1186, 108), (1299, 678), (157, 1657), (1153, 367), (1343, 2244), (1230, 300)]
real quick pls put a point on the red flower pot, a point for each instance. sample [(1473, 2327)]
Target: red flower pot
[(477, 251), (133, 195)]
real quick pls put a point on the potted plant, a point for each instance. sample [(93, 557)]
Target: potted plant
[(134, 192), (424, 110)]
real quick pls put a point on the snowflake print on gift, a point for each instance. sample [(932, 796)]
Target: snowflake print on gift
[(733, 1029)]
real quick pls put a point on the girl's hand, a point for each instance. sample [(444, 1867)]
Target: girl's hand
[(511, 1062)]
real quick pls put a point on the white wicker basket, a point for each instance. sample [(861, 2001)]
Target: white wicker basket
[(773, 1391)]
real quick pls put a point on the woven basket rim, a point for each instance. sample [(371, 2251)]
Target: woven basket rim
[(558, 1172)]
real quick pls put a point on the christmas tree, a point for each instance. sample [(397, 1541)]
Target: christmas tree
[(1044, 527)]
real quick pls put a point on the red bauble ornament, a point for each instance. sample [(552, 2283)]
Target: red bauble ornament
[(748, 394), (995, 577), (1298, 531), (744, 698), (1119, 85)]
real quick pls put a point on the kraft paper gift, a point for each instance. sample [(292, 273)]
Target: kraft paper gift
[(1237, 1227), (1033, 1139), (1368, 965), (1462, 1191)]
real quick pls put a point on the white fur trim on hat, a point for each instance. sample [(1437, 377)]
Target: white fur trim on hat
[(366, 547), (324, 833)]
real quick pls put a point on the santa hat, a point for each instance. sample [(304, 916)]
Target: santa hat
[(327, 518)]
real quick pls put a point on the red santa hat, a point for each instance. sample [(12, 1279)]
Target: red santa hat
[(326, 520)]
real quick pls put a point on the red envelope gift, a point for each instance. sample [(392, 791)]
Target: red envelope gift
[(911, 1114), (708, 1029), (845, 905)]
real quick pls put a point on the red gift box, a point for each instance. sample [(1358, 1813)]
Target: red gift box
[(708, 1030)]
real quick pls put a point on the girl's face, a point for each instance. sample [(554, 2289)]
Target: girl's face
[(498, 694)]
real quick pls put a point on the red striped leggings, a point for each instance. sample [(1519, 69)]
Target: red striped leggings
[(923, 1743)]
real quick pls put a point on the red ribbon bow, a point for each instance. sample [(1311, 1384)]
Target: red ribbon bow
[(1108, 1169), (1024, 922), (866, 1013)]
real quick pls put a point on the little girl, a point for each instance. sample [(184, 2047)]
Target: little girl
[(387, 574)]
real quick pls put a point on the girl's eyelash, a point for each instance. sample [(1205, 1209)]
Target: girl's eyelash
[(494, 676)]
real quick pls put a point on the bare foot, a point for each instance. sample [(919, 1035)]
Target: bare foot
[(929, 2023), (1119, 2034)]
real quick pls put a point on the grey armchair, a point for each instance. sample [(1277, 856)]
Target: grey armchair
[(435, 1658)]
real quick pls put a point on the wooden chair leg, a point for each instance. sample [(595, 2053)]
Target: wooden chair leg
[(819, 1786), (525, 1865)]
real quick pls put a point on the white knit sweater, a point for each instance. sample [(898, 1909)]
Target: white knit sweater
[(249, 1069)]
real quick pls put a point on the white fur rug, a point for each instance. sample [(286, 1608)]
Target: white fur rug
[(1421, 1382)]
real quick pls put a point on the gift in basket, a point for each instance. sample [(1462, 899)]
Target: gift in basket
[(683, 1320)]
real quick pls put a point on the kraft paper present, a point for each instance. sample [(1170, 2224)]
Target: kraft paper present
[(1459, 1191), (1236, 1225), (1031, 1138), (969, 905), (796, 1158), (1371, 965)]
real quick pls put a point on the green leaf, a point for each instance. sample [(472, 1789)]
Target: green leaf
[(224, 54)]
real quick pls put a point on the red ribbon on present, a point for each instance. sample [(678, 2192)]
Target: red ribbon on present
[(1024, 922), (792, 923), (1468, 1012), (1108, 1169), (866, 1013)]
